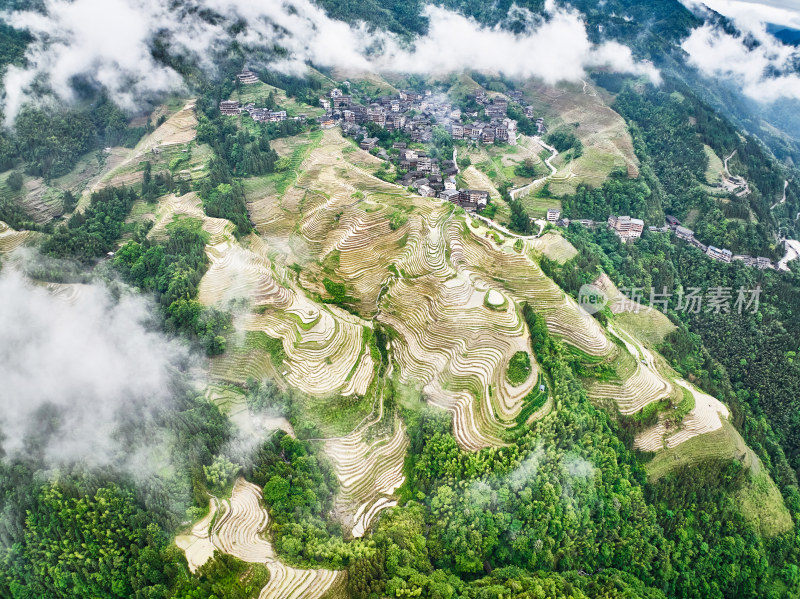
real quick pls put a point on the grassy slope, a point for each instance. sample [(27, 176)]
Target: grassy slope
[(329, 199), (606, 141)]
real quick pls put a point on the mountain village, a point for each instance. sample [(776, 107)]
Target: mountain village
[(416, 114)]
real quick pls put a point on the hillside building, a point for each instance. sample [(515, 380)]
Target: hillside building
[(719, 254), (684, 233), (230, 107), (451, 195), (625, 227), (341, 102), (247, 77), (473, 196)]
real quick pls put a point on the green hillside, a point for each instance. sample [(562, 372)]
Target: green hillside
[(257, 350)]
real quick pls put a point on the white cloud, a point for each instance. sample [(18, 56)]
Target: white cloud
[(310, 34), (105, 39), (527, 471), (93, 362), (110, 41), (765, 72), (557, 50), (744, 12)]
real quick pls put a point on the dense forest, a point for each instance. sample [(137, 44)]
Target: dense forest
[(671, 182), (670, 126), (758, 372), (97, 532), (563, 508)]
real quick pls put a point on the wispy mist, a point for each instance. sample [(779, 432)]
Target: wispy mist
[(108, 40), (780, 12), (554, 49), (764, 68), (81, 378), (109, 43)]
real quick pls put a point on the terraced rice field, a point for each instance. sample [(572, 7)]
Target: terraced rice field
[(617, 301), (645, 323), (323, 347), (555, 247), (650, 326), (180, 128), (427, 277), (449, 292), (172, 207), (723, 443), (67, 292), (256, 92), (411, 263), (11, 239), (536, 205), (238, 527), (241, 272), (705, 417), (82, 182), (43, 203), (232, 402), (369, 471), (122, 165), (197, 544), (456, 349), (519, 275), (760, 499), (476, 179), (603, 132), (642, 381)]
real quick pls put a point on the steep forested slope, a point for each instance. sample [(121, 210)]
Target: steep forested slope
[(452, 425)]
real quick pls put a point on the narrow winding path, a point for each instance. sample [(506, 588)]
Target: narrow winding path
[(783, 199), (725, 163), (514, 193), (495, 225), (792, 253)]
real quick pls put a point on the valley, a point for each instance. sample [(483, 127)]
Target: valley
[(346, 342)]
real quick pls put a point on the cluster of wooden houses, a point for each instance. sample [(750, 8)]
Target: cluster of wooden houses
[(721, 254), (416, 113), (412, 112), (433, 178), (260, 115), (469, 199), (502, 130), (430, 177), (626, 228), (498, 128)]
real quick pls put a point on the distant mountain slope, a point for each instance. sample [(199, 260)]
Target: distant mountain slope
[(786, 34)]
